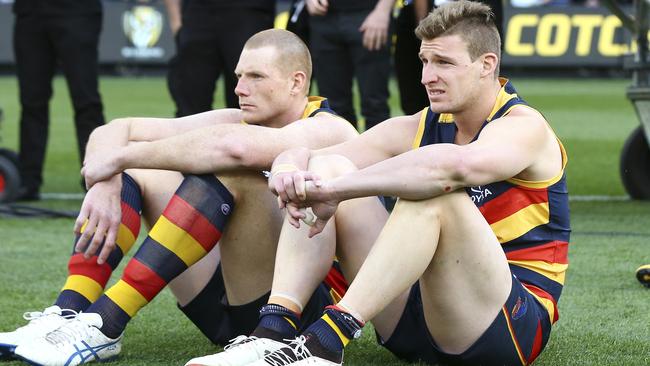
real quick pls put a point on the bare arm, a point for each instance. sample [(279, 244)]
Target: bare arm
[(224, 147), (174, 14), (521, 145), (420, 9), (121, 131), (385, 140), (375, 26), (100, 210), (514, 146)]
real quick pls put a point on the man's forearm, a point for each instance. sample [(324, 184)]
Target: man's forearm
[(198, 152), (385, 6), (413, 175), (174, 14), (109, 136)]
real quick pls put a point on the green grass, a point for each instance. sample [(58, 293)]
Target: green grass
[(604, 314)]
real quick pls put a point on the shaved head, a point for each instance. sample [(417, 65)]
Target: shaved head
[(291, 52)]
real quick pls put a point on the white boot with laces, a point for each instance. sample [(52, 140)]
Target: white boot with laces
[(39, 324), (76, 342)]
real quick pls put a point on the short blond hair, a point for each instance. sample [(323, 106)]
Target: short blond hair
[(471, 20), (293, 54)]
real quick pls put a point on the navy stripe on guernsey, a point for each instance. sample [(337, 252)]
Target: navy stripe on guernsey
[(530, 219), (317, 105), (189, 227)]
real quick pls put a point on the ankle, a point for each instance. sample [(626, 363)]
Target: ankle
[(277, 322)]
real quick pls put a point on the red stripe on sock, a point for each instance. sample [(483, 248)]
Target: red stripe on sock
[(186, 217), (78, 265), (130, 218), (143, 279)]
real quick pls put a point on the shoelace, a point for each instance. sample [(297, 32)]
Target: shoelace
[(69, 332), (239, 340), (39, 315), (295, 351)]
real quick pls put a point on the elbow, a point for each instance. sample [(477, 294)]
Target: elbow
[(453, 172), (235, 152), (466, 171)]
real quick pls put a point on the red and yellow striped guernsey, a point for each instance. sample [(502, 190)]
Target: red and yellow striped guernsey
[(530, 219)]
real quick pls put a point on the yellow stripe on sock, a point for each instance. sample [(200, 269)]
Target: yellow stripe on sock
[(177, 240), (291, 322), (86, 286), (126, 297), (125, 239), (345, 340)]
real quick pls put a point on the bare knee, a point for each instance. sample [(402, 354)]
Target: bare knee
[(328, 166), (436, 206)]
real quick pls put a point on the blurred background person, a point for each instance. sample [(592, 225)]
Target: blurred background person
[(47, 33), (210, 35), (348, 39), (412, 95)]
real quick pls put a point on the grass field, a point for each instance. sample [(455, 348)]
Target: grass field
[(604, 317)]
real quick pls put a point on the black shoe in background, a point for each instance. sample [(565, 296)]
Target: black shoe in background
[(26, 194)]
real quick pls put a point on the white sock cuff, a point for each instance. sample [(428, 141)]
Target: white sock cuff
[(288, 297)]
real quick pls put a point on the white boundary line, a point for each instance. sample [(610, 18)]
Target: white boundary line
[(580, 198), (62, 196), (588, 198)]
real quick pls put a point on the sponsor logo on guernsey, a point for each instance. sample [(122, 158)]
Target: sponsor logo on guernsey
[(225, 209), (479, 193), (519, 309)]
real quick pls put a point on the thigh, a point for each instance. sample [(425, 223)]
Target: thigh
[(157, 188), (516, 336), (250, 240), (469, 267)]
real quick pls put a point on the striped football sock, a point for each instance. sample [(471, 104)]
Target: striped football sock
[(188, 229), (327, 336), (277, 323), (87, 279)]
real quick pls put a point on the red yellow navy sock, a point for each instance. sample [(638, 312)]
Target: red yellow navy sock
[(328, 336), (277, 322), (87, 279), (190, 226)]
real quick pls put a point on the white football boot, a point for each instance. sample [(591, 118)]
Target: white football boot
[(241, 351), (295, 353), (39, 324), (76, 342)]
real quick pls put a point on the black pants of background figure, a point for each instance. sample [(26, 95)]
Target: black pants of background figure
[(338, 55), (208, 45), (497, 9), (408, 67), (39, 43)]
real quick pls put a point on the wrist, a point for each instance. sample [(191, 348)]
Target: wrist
[(283, 168)]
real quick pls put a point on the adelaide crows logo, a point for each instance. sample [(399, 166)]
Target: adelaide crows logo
[(142, 26)]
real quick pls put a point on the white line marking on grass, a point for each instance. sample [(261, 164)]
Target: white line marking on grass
[(588, 198), (62, 196)]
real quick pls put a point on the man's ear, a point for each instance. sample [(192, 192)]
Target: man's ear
[(299, 80), (489, 62)]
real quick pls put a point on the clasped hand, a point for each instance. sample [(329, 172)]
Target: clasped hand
[(297, 190)]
